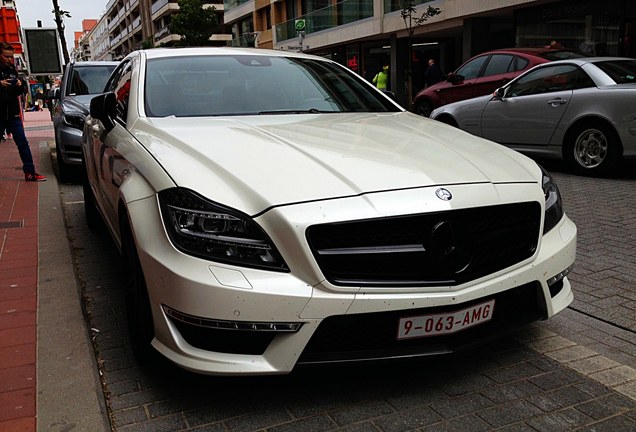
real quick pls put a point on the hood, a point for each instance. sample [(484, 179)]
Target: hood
[(255, 162)]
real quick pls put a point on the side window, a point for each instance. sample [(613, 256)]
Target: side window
[(120, 85), (498, 64), (545, 80), (471, 69), (519, 64), (583, 80)]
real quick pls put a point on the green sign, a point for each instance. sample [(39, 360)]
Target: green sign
[(299, 25)]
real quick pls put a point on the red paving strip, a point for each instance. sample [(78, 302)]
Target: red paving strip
[(18, 286)]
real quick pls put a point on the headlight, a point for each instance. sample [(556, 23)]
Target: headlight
[(74, 120), (553, 205), (210, 231)]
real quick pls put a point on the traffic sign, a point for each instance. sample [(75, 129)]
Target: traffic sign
[(300, 25)]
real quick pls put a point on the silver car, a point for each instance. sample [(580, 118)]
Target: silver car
[(81, 81), (581, 110)]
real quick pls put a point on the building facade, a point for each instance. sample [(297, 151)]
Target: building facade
[(366, 34), (135, 24)]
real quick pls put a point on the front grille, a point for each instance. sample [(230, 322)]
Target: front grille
[(431, 249), (374, 335)]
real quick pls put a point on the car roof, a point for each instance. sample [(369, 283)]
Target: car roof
[(585, 60), (177, 52), (95, 63), (535, 51)]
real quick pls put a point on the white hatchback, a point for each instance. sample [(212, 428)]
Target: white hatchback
[(275, 210)]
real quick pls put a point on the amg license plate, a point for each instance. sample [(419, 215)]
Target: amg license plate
[(445, 323)]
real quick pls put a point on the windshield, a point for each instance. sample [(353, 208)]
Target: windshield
[(89, 79), (254, 84), (621, 71)]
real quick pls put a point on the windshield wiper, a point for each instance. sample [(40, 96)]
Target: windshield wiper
[(295, 111)]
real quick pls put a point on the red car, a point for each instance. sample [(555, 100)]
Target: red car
[(483, 74)]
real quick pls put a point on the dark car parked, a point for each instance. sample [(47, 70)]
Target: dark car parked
[(81, 81), (483, 74)]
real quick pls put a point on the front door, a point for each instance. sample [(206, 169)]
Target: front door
[(532, 107)]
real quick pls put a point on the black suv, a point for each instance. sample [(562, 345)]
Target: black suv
[(80, 83)]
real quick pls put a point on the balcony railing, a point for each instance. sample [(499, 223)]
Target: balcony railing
[(136, 23), (161, 33), (395, 5), (344, 12), (229, 4), (158, 5)]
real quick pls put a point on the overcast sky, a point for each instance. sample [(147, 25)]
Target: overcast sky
[(30, 11)]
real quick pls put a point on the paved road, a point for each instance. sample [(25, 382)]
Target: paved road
[(574, 372)]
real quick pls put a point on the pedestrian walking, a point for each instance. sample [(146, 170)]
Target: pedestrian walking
[(381, 79), (433, 74), (11, 88), (39, 100)]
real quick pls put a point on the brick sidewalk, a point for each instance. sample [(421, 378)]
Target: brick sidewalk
[(19, 280)]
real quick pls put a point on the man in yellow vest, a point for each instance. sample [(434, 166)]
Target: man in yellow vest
[(382, 78)]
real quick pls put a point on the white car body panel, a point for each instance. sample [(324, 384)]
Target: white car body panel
[(292, 172), (328, 147)]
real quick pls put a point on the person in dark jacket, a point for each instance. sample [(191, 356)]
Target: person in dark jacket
[(433, 74), (11, 88)]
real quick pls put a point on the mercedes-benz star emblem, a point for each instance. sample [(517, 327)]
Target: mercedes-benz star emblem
[(444, 194), (451, 247)]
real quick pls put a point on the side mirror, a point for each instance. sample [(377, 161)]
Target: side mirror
[(103, 108), (499, 93), (456, 79), (450, 76)]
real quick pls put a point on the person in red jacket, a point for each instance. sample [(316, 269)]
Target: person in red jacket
[(11, 88)]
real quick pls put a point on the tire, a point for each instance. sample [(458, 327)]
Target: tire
[(592, 148), (93, 218), (139, 313), (424, 108)]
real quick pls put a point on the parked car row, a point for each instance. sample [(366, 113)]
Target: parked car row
[(482, 74), (275, 210), (579, 110)]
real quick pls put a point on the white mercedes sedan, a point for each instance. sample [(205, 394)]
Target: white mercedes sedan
[(275, 210)]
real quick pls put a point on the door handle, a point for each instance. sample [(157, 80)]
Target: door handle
[(555, 102)]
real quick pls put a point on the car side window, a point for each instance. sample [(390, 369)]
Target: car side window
[(498, 64), (583, 80), (519, 64), (545, 80), (120, 85), (471, 69)]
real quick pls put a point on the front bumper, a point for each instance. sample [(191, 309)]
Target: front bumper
[(69, 143), (195, 304)]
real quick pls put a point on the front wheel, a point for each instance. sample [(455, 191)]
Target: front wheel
[(424, 108), (592, 149)]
